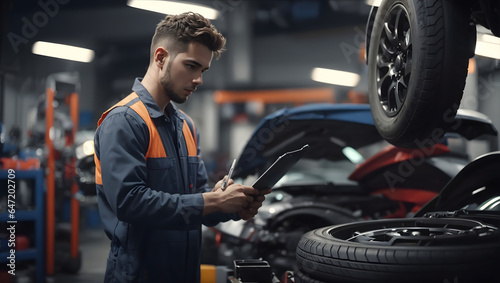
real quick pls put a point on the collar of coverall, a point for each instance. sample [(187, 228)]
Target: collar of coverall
[(149, 102)]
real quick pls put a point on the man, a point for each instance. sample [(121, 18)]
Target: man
[(152, 187)]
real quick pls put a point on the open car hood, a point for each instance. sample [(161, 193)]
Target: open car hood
[(327, 129), (471, 124), (476, 186)]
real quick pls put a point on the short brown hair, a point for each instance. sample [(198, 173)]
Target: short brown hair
[(185, 28)]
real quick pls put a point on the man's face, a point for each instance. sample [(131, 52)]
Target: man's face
[(183, 72)]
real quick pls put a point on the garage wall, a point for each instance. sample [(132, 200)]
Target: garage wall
[(18, 100), (288, 59)]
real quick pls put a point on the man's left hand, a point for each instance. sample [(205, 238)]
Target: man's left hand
[(252, 208)]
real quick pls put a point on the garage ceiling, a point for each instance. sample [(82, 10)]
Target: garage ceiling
[(120, 35), (107, 25)]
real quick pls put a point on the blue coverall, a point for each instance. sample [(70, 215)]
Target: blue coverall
[(151, 207)]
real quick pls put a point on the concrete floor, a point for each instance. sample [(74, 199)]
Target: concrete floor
[(94, 246)]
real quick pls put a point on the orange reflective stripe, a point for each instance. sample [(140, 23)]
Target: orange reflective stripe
[(155, 148), (188, 137), (122, 102), (194, 127), (130, 97), (98, 177)]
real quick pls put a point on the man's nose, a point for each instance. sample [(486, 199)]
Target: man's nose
[(198, 80)]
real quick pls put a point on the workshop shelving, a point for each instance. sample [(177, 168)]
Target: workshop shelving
[(36, 251)]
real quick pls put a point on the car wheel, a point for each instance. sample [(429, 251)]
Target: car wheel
[(401, 250), (417, 65)]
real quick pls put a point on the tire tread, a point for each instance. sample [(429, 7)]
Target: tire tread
[(383, 263)]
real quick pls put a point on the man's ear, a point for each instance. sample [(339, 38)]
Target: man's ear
[(160, 57)]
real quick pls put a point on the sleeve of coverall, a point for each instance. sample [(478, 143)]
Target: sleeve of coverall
[(123, 141)]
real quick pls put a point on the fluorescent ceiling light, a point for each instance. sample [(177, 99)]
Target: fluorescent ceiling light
[(63, 51), (488, 46), (373, 2), (335, 77), (173, 8)]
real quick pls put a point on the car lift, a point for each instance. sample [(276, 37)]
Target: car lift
[(71, 100)]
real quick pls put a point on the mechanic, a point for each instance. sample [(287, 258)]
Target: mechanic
[(152, 188)]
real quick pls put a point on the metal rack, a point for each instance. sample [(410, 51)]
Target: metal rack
[(36, 215)]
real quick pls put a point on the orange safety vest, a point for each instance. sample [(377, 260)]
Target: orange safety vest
[(155, 147)]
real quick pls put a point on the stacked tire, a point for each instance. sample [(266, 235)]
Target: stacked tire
[(400, 250)]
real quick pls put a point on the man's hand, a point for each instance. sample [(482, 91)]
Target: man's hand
[(232, 200), (236, 197), (253, 207), (218, 186)]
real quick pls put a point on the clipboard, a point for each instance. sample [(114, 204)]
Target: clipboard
[(279, 168)]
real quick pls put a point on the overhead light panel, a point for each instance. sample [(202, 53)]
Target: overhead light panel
[(335, 77), (488, 46), (63, 51), (173, 7)]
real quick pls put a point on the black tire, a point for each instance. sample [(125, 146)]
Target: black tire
[(426, 250), (416, 80), (300, 277)]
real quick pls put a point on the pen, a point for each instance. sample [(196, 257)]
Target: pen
[(224, 184)]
